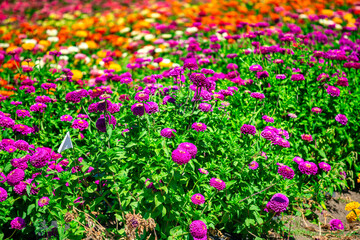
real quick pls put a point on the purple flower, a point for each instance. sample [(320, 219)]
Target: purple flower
[(199, 127), (138, 109), (307, 137), (191, 64), (3, 194), (341, 119), (268, 119), (278, 203), (325, 166), (43, 99), (197, 199), (217, 183), (16, 103), (167, 132), (189, 147), (18, 223), (336, 224), (22, 129), (308, 168), (280, 76), (203, 171), (255, 68), (198, 230), (198, 79), (22, 113), (298, 160), (20, 188), (80, 124), (76, 96), (152, 107), (261, 75), (253, 165), (66, 118), (205, 107), (286, 172), (316, 110), (15, 177), (43, 201), (292, 115), (6, 122), (297, 77), (10, 148), (257, 95), (333, 91), (248, 129), (141, 96), (38, 107), (281, 142), (40, 158), (180, 156)]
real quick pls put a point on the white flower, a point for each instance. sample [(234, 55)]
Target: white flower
[(4, 45), (158, 50), (179, 33), (166, 61), (134, 33), (64, 51), (338, 27), (101, 63), (62, 57), (83, 46), (33, 41), (73, 49), (52, 32), (125, 30), (149, 20), (175, 65), (155, 15), (87, 60), (149, 37), (166, 36), (192, 30), (39, 63), (53, 39), (303, 16)]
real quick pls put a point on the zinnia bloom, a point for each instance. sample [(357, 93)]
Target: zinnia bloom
[(199, 127), (66, 118), (167, 132), (18, 223), (325, 166), (38, 107), (352, 206), (197, 199), (80, 124), (203, 171), (15, 177), (43, 201), (257, 95), (341, 119), (138, 109), (308, 168), (307, 137), (3, 194), (217, 183), (198, 230), (278, 203), (333, 91), (336, 224), (353, 215), (286, 172), (316, 110), (248, 129), (141, 96), (298, 160), (253, 165), (180, 156)]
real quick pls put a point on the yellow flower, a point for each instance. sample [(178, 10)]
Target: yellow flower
[(45, 43), (77, 74), (101, 53), (30, 64), (351, 206), (91, 44), (28, 46), (9, 49), (165, 64), (80, 33), (351, 217), (115, 67)]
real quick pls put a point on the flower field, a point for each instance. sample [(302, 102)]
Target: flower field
[(177, 119)]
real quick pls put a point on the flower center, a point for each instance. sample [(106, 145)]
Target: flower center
[(308, 165), (198, 197)]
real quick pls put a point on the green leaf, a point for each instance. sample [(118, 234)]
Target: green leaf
[(30, 208)]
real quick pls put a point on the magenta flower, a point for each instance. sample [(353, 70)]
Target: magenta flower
[(22, 113), (217, 183), (198, 79), (307, 137), (281, 142), (76, 96), (43, 201), (255, 68), (38, 107), (278, 203), (257, 95), (3, 194), (80, 124), (268, 119), (292, 115), (325, 166), (198, 199), (205, 107), (180, 156), (298, 160), (297, 77), (308, 168), (316, 110), (198, 230), (203, 171), (40, 158), (167, 132), (10, 148), (269, 135), (261, 75), (20, 188), (248, 129), (199, 127), (218, 96), (253, 165), (333, 91), (15, 177), (138, 109), (336, 224), (141, 96), (66, 118), (264, 155), (6, 122), (341, 119), (43, 99), (153, 107), (18, 223), (286, 172)]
